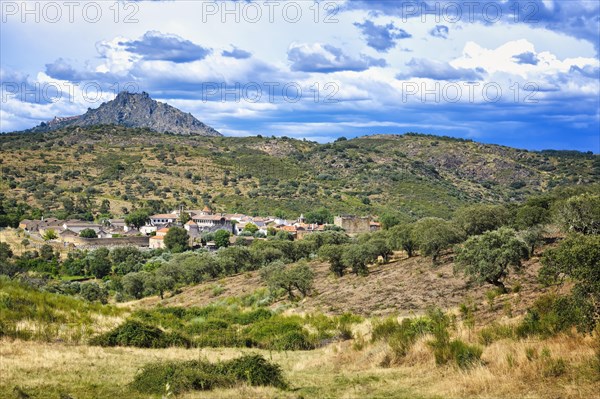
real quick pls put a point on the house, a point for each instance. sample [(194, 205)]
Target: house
[(157, 242), (147, 230), (29, 225), (163, 218), (78, 226), (162, 232), (53, 224)]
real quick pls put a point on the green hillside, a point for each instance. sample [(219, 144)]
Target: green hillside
[(74, 169)]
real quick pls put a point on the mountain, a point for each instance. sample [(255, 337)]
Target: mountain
[(134, 110), (412, 175)]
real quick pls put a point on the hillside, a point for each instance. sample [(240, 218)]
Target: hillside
[(415, 175)]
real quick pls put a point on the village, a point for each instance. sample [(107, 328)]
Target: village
[(200, 226)]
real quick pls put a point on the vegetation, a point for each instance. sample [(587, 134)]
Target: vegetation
[(489, 257), (201, 375)]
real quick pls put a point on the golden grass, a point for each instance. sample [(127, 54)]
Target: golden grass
[(335, 371)]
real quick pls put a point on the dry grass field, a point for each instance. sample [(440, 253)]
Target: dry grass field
[(340, 370)]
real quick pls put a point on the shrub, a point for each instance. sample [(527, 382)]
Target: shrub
[(552, 314), (135, 333), (202, 375), (401, 336), (464, 355)]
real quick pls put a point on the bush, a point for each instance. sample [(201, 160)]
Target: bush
[(551, 314), (202, 375), (401, 336), (464, 355), (135, 333)]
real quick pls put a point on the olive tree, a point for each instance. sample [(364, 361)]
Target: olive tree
[(490, 256), (433, 235)]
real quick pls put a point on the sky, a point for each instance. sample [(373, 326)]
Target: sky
[(522, 73)]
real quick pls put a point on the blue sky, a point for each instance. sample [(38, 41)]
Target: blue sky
[(519, 73)]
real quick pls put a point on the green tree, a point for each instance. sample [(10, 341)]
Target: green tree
[(5, 251), (332, 253), (319, 216), (403, 237), (104, 207), (133, 285), (88, 233), (50, 234), (577, 258), (184, 217), (137, 218), (92, 292), (533, 237), (379, 247), (433, 235), (298, 277), (222, 238), (477, 219), (530, 216), (356, 258), (580, 214), (177, 239), (389, 220), (490, 256), (99, 264), (251, 228)]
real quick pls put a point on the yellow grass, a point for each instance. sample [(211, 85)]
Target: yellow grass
[(45, 370)]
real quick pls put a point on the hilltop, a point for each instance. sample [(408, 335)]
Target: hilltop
[(134, 110), (411, 175)]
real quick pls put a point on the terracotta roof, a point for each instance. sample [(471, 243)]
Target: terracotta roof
[(291, 229), (157, 238), (191, 223), (163, 230)]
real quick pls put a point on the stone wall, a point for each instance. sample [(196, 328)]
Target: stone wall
[(353, 224)]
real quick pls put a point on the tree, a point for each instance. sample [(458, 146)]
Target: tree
[(177, 239), (298, 276), (47, 252), (356, 258), (477, 219), (184, 217), (5, 251), (133, 285), (251, 228), (99, 263), (93, 292), (433, 235), (88, 233), (490, 256), (379, 247), (403, 237), (580, 214), (222, 238), (389, 220), (137, 218), (531, 216), (50, 234), (319, 216), (533, 237), (578, 259), (104, 207), (333, 254)]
